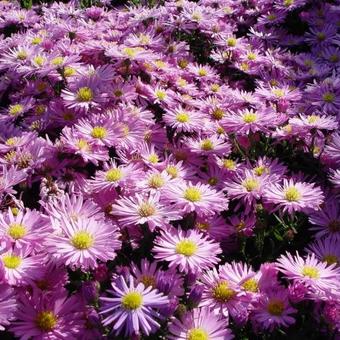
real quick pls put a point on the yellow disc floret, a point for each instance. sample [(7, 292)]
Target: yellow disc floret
[(197, 334), (222, 292), (11, 261), (113, 175), (84, 94), (275, 307), (192, 194), (132, 300), (82, 240), (311, 272), (186, 247), (16, 230), (292, 194), (46, 321)]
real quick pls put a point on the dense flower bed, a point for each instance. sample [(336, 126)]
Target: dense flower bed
[(170, 171)]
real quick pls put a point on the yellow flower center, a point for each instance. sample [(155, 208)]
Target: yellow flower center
[(11, 141), (146, 209), (22, 55), (118, 93), (16, 231), (259, 170), (287, 128), (288, 3), (203, 226), (153, 158), (222, 293), (215, 87), (36, 41), (132, 300), (183, 63), (69, 71), (251, 56), (311, 272), (160, 94), (244, 66), (11, 261), (99, 132), (313, 119), (251, 285), (330, 259), (212, 181), (160, 64), (231, 42), (46, 321), (207, 144), (39, 60), (334, 226), (321, 36), (292, 194), (57, 61), (192, 194), (182, 82), (197, 334), (172, 171), (229, 164), (182, 117), (15, 110), (148, 281), (186, 247), (84, 94), (328, 97), (334, 58), (249, 117), (82, 240), (218, 114), (202, 72), (271, 17), (278, 92), (113, 175), (130, 51), (156, 181), (275, 307), (251, 184), (82, 144)]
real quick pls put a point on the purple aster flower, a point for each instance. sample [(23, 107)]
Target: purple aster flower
[(294, 196), (319, 276), (190, 251), (201, 324), (326, 250), (80, 243), (133, 308), (195, 197), (140, 209), (8, 305), (273, 310), (48, 316), (326, 222)]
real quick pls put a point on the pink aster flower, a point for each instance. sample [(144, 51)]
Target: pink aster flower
[(214, 226), (83, 95), (199, 323), (332, 150), (223, 296), (190, 250), (25, 228), (293, 196), (246, 186), (335, 178), (141, 209), (48, 316), (195, 197), (183, 119), (20, 267), (326, 222), (273, 310), (319, 276), (133, 308), (326, 250), (167, 282), (212, 145), (113, 176), (10, 177), (246, 121), (8, 305), (82, 242)]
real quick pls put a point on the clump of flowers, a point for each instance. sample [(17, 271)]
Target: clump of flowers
[(169, 170)]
